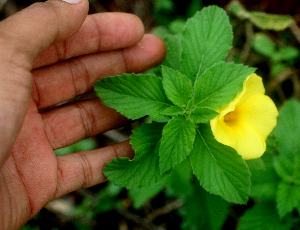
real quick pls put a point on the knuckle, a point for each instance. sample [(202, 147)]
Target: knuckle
[(87, 171)]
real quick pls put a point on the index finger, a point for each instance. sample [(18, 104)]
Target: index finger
[(99, 32)]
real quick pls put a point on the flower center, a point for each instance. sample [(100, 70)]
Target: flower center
[(230, 117)]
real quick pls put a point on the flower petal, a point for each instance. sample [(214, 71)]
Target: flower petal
[(249, 143), (253, 85), (222, 132), (243, 137), (258, 111)]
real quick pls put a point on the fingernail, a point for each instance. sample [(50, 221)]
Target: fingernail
[(72, 1)]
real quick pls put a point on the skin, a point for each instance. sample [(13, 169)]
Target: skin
[(50, 53)]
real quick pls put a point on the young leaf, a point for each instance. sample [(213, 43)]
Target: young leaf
[(133, 95), (173, 57), (176, 143), (220, 84), (143, 171), (219, 168), (178, 87), (261, 217), (172, 111), (287, 198), (264, 45), (202, 115), (206, 40)]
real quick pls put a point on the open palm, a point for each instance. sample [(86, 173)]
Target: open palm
[(40, 75)]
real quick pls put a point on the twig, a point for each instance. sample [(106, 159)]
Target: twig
[(296, 85), (284, 75), (116, 136), (247, 46), (2, 3), (165, 209), (295, 30), (139, 220)]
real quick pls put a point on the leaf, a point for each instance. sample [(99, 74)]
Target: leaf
[(178, 87), (220, 84), (172, 111), (176, 143), (210, 215), (287, 131), (143, 171), (202, 115), (219, 168), (174, 50), (140, 196), (261, 217), (287, 198), (264, 45), (288, 53), (284, 168), (206, 40), (270, 21), (180, 182), (264, 183), (133, 95)]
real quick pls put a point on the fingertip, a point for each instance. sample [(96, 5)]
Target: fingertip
[(33, 29), (149, 52), (118, 30)]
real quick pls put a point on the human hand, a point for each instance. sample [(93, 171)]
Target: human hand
[(50, 53)]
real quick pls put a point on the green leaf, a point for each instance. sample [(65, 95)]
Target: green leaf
[(264, 183), (288, 53), (176, 143), (287, 131), (284, 168), (262, 44), (174, 50), (206, 40), (256, 164), (172, 111), (140, 196), (202, 115), (178, 87), (287, 198), (278, 67), (261, 217), (133, 95), (143, 171), (238, 10), (219, 168), (176, 26), (220, 84), (180, 182), (204, 211), (270, 21)]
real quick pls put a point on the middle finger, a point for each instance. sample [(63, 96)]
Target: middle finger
[(65, 80)]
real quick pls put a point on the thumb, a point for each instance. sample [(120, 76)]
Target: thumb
[(22, 37), (33, 29)]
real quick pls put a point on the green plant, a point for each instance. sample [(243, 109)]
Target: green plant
[(275, 185), (280, 58), (195, 83)]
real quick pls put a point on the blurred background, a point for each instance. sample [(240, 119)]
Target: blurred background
[(106, 206)]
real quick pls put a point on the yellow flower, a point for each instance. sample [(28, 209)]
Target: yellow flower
[(245, 123)]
